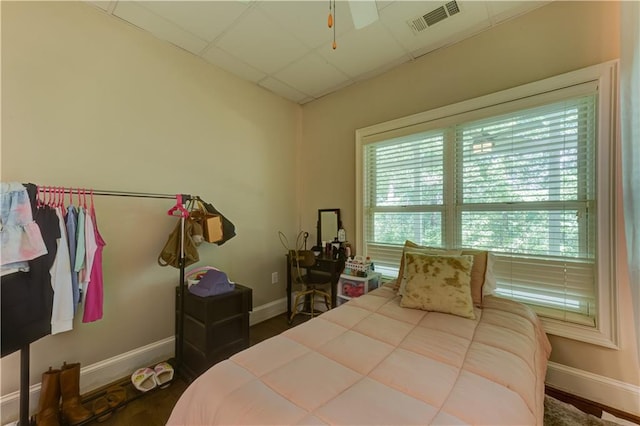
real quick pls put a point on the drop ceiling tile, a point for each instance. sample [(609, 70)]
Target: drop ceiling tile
[(285, 45), (261, 42), (311, 74), (232, 64), (282, 89), (204, 19), (331, 89), (306, 20), (102, 4), (140, 16), (363, 50), (383, 4)]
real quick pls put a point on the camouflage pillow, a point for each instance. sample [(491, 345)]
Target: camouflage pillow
[(413, 247), (438, 283)]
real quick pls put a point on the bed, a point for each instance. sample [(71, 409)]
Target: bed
[(373, 361)]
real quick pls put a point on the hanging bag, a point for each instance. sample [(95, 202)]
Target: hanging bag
[(170, 254), (211, 222), (228, 228)]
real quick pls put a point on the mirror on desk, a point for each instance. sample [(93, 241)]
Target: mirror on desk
[(328, 225)]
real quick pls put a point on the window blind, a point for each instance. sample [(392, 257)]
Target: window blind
[(408, 171), (404, 193), (521, 185), (525, 187)]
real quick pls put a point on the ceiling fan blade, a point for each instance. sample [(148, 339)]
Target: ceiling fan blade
[(363, 12)]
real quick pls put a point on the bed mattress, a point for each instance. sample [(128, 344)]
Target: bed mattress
[(371, 361)]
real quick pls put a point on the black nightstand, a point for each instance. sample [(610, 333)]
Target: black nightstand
[(215, 327)]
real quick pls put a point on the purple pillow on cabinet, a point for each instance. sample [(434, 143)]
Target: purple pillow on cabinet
[(213, 282)]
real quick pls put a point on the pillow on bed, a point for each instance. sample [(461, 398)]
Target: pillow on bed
[(490, 284), (479, 273), (482, 280), (413, 247), (438, 283), (403, 279)]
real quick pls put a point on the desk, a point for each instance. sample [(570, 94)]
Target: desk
[(323, 265)]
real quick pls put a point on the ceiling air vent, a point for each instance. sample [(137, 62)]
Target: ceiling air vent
[(438, 14), (452, 8)]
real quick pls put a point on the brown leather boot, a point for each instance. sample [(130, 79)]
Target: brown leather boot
[(72, 410), (49, 403)]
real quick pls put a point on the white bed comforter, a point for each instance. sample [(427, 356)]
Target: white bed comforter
[(371, 361)]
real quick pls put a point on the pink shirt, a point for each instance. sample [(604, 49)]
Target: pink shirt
[(94, 293)]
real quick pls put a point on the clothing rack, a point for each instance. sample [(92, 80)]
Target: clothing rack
[(25, 350), (113, 193)]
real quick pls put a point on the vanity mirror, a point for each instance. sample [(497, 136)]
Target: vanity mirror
[(328, 225)]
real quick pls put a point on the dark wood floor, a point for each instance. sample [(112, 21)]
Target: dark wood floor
[(155, 408)]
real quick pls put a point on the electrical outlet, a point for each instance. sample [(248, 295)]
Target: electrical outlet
[(274, 278)]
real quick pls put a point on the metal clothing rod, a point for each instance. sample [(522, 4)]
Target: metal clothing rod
[(111, 193), (134, 194)]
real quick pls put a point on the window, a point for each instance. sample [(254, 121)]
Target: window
[(523, 173)]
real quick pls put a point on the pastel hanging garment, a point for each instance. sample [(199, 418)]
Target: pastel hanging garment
[(20, 235), (62, 315)]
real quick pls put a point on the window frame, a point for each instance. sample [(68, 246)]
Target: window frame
[(605, 76)]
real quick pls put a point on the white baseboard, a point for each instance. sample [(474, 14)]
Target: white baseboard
[(268, 310), (107, 371), (604, 390), (94, 375)]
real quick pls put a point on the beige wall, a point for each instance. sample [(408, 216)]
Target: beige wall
[(90, 101), (557, 38)]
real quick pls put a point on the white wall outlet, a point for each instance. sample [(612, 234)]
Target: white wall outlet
[(274, 278)]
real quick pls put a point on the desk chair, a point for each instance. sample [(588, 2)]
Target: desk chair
[(311, 284)]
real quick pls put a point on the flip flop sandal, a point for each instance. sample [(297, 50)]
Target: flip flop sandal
[(100, 405), (144, 379), (164, 374), (116, 396)]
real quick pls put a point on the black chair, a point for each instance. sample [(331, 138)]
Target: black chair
[(311, 284)]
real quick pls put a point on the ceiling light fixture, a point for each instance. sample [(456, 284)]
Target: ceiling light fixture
[(363, 12), (331, 21)]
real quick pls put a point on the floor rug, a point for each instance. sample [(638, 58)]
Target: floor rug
[(558, 413)]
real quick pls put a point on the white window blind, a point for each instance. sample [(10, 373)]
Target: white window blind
[(521, 185), (525, 188), (405, 193)]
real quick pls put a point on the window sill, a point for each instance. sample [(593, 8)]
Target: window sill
[(581, 333)]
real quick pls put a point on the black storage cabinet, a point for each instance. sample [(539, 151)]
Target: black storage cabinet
[(215, 327)]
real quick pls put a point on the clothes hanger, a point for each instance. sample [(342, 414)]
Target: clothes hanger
[(178, 209), (38, 203), (59, 196), (63, 190)]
